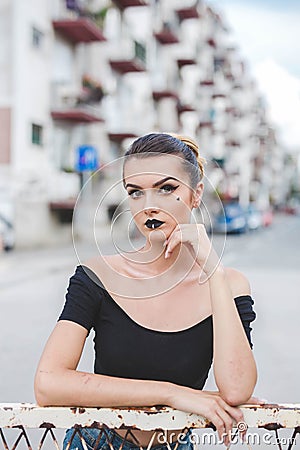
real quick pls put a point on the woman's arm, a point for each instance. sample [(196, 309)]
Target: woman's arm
[(234, 365), (57, 382)]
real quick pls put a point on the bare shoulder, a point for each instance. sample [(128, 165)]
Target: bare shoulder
[(101, 264), (238, 282)]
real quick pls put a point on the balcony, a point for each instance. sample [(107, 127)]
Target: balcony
[(78, 115), (81, 29), (185, 62), (77, 105), (218, 95), (136, 62), (188, 13), (118, 138), (182, 108), (166, 36), (232, 143), (123, 66), (63, 209), (207, 83), (123, 4), (212, 42), (205, 125), (166, 93)]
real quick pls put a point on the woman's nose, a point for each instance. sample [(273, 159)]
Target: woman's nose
[(150, 202)]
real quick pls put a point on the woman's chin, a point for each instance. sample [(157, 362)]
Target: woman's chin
[(156, 236)]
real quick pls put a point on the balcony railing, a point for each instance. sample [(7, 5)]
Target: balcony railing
[(133, 59), (268, 418), (165, 93), (76, 23), (185, 62), (190, 12), (167, 35), (123, 4), (78, 30), (118, 138), (75, 105), (183, 107)]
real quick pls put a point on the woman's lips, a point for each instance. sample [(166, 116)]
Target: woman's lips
[(153, 223)]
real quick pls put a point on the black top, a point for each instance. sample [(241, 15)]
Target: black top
[(123, 348)]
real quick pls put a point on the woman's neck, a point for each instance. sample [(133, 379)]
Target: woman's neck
[(150, 259)]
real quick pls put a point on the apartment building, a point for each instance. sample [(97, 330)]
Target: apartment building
[(81, 78)]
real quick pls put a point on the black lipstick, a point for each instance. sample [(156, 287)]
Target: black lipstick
[(153, 223)]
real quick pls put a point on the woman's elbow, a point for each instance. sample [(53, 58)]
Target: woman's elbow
[(42, 391), (236, 398)]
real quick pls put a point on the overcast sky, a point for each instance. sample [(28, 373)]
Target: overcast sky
[(267, 33), (266, 29)]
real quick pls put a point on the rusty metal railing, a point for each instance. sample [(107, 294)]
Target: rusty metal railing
[(21, 417)]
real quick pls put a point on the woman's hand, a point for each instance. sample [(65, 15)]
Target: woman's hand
[(209, 405), (195, 238)]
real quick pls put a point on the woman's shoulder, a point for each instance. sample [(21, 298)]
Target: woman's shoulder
[(238, 282), (100, 264), (102, 268)]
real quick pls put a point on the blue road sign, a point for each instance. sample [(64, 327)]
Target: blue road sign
[(86, 158)]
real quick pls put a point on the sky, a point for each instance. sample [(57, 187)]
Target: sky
[(267, 33)]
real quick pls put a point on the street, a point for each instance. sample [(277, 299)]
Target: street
[(33, 284)]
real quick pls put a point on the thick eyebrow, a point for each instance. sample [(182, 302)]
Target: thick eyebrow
[(153, 185)]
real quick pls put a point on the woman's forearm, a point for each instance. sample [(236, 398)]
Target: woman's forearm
[(67, 387), (234, 365)]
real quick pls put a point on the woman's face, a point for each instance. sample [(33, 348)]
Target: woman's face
[(159, 193)]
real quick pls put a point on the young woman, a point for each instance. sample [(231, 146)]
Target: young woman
[(161, 314)]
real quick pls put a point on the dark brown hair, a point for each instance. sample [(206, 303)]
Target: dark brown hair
[(154, 144)]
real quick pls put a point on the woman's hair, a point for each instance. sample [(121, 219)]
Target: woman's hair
[(171, 144)]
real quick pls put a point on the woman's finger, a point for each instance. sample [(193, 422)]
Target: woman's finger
[(228, 423), (219, 424), (235, 412), (173, 241)]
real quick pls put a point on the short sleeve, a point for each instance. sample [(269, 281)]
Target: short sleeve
[(82, 301), (244, 305)]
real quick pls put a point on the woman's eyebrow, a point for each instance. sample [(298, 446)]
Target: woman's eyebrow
[(154, 185)]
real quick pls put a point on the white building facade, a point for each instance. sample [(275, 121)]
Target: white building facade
[(97, 73)]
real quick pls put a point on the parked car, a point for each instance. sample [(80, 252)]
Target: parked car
[(254, 217), (233, 219), (292, 207), (267, 217), (7, 235)]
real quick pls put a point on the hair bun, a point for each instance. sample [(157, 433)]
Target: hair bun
[(194, 147)]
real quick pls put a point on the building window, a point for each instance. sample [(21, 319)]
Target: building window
[(140, 51), (37, 134), (37, 37)]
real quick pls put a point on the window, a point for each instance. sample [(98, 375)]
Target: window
[(140, 51), (37, 134), (37, 37)]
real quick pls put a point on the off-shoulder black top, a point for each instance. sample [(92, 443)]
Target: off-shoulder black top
[(124, 348)]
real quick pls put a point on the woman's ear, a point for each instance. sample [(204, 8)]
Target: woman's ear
[(198, 194)]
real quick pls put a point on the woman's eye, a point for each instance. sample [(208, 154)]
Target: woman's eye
[(135, 194), (167, 188)]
